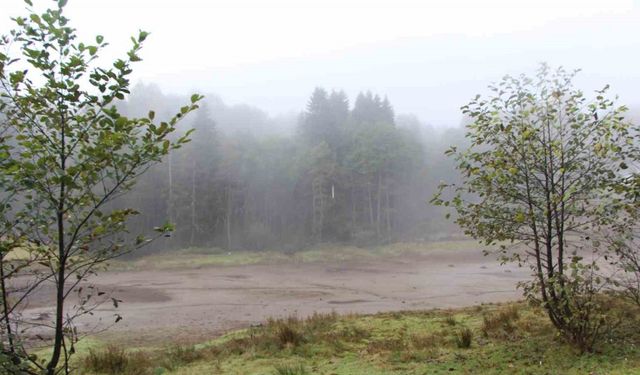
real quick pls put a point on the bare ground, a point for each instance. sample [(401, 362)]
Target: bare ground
[(194, 304)]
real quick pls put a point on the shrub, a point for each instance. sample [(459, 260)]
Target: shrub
[(12, 363)]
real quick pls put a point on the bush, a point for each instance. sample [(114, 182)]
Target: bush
[(11, 363)]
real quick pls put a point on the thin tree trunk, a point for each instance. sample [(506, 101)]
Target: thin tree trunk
[(193, 204), (370, 204), (353, 208), (318, 207), (379, 204), (314, 224), (62, 260), (388, 210), (170, 198), (228, 219), (5, 306)]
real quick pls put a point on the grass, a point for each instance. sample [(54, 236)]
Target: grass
[(115, 360), (489, 339), (290, 370), (464, 338), (207, 257)]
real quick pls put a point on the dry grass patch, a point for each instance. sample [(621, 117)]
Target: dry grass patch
[(115, 360)]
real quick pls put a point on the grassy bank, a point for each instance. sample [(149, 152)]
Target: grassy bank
[(489, 339), (206, 257)]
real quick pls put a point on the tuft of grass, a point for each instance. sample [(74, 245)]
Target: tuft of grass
[(177, 355), (290, 370), (115, 360), (463, 338), (426, 340), (321, 321), (288, 335), (450, 320), (502, 323)]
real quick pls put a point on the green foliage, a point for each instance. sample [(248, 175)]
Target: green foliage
[(541, 174), (68, 153), (12, 363)]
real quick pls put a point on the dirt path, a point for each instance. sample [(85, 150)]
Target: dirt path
[(190, 304)]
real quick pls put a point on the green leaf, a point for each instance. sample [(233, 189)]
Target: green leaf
[(120, 123), (142, 36)]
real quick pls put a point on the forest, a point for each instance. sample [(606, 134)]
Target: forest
[(337, 172)]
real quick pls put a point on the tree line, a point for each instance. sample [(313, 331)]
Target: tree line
[(337, 172)]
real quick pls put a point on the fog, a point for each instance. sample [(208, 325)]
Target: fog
[(318, 177), (429, 58)]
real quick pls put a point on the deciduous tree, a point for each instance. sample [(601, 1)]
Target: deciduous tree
[(73, 154), (541, 174)]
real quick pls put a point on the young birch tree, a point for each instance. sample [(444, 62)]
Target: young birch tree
[(540, 174), (72, 154)]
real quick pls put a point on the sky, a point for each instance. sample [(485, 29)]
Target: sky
[(428, 57)]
